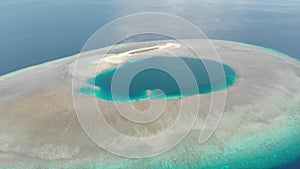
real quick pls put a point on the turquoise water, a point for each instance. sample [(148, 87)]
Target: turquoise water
[(161, 77)]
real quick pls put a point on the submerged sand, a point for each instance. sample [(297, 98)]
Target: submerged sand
[(260, 127)]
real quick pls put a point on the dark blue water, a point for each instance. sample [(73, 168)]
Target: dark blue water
[(36, 31), (165, 77)]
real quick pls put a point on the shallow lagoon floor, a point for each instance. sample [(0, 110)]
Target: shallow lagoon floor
[(260, 126)]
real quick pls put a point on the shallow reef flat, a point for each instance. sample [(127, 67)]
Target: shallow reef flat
[(259, 128)]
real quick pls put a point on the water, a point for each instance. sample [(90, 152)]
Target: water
[(160, 79), (36, 31)]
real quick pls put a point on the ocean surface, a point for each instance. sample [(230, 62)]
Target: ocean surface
[(37, 31)]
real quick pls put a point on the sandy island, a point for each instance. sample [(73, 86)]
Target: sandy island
[(121, 57)]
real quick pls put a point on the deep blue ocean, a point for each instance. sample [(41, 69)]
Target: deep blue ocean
[(37, 31)]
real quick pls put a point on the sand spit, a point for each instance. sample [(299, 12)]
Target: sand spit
[(121, 57)]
